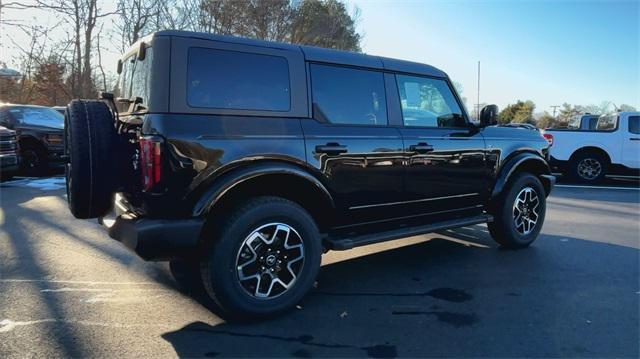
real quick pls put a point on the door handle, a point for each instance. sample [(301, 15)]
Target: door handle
[(331, 148), (634, 139), (421, 147)]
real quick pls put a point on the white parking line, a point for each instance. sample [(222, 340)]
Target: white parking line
[(74, 282), (7, 325), (596, 187)]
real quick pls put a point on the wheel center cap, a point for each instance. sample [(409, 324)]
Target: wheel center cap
[(271, 260)]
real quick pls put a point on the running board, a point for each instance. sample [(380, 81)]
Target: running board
[(344, 243)]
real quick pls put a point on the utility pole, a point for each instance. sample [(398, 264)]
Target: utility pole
[(478, 103), (554, 107)]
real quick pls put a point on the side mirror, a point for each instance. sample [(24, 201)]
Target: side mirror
[(489, 116), (119, 69)]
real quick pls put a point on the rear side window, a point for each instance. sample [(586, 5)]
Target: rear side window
[(574, 123), (237, 80), (428, 102), (348, 96), (634, 124), (134, 80), (607, 123)]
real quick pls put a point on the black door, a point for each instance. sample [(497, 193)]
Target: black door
[(350, 142), (446, 172)]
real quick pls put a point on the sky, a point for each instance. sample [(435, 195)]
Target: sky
[(550, 52)]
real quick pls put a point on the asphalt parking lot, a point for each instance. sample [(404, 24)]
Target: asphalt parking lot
[(68, 290)]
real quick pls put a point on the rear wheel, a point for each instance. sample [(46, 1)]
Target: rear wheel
[(588, 167), (519, 212), (264, 260), (90, 146)]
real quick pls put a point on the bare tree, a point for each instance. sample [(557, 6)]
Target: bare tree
[(83, 17), (135, 19)]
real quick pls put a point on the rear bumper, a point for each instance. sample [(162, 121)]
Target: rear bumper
[(557, 166), (549, 181), (155, 239)]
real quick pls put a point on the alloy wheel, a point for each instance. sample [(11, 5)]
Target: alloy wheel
[(589, 168), (270, 260), (525, 210)]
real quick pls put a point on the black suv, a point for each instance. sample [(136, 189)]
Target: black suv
[(243, 161)]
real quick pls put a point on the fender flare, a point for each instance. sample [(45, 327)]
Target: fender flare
[(511, 165), (227, 181)]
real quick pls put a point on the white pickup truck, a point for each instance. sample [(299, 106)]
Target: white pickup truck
[(612, 148)]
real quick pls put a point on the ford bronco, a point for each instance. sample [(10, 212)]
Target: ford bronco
[(246, 160)]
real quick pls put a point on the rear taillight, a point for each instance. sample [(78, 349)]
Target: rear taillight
[(150, 161), (548, 137)]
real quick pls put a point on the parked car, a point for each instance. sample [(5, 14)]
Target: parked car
[(612, 148), (243, 161), (9, 159), (40, 134)]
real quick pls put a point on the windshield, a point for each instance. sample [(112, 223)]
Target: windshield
[(38, 116), (134, 80)]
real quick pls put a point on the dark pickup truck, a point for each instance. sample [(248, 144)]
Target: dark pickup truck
[(245, 160), (40, 133)]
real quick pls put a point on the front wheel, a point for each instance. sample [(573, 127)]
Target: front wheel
[(34, 160), (519, 212), (264, 260)]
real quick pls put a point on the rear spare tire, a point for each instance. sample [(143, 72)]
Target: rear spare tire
[(90, 146)]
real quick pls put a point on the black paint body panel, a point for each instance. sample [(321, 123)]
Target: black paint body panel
[(375, 176)]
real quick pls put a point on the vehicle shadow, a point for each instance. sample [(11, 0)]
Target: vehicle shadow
[(450, 297)]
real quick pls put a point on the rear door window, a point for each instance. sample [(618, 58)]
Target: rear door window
[(343, 95), (634, 124), (237, 80)]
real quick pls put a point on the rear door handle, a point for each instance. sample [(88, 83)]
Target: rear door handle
[(421, 147), (331, 149), (634, 139)]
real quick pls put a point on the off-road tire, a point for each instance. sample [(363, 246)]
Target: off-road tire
[(90, 146), (219, 269), (503, 228), (592, 157)]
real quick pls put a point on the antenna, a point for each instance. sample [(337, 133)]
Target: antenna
[(478, 103)]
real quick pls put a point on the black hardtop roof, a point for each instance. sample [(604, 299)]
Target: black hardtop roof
[(312, 53)]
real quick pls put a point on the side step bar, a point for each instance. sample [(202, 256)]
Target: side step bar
[(344, 243)]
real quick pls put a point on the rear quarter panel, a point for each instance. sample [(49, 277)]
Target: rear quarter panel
[(565, 143), (202, 147)]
